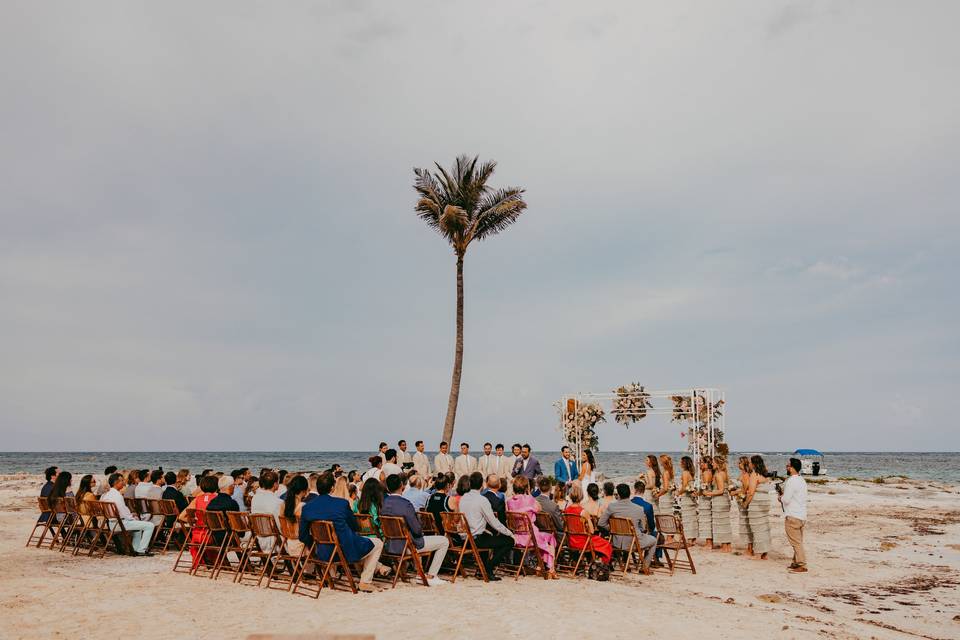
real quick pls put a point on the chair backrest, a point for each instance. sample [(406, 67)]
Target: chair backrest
[(70, 504), (264, 525), (365, 526), (58, 505), (109, 510), (44, 505), (239, 521), (394, 528), (322, 532), (168, 507), (132, 505), (144, 507), (519, 523), (189, 517), (427, 523), (216, 521), (289, 527), (83, 507), (545, 523), (455, 522), (621, 527), (668, 524), (575, 524)]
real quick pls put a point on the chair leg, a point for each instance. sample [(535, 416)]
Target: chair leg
[(345, 567), (456, 570)]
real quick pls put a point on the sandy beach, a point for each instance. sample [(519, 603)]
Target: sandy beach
[(885, 563)]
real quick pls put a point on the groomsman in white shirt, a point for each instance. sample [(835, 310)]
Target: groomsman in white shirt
[(485, 463), (403, 458), (465, 464), (420, 460), (443, 462)]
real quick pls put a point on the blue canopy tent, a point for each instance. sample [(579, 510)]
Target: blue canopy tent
[(808, 466)]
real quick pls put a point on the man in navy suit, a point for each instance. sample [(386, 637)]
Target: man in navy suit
[(394, 504), (565, 469), (638, 488), (526, 465), (355, 547)]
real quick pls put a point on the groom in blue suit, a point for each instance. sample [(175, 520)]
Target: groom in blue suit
[(565, 469)]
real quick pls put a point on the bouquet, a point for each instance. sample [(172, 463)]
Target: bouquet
[(631, 404)]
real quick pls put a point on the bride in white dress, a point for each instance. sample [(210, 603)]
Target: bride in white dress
[(587, 472)]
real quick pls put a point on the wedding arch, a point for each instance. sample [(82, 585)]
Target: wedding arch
[(701, 409)]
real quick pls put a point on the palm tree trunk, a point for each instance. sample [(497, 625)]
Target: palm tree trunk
[(457, 359)]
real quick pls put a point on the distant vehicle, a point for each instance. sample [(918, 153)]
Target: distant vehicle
[(811, 462)]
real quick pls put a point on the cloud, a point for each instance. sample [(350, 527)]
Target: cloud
[(839, 269)]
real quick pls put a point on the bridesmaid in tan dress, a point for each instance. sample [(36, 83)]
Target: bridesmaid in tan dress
[(688, 506), (743, 464), (722, 533), (704, 510), (665, 494)]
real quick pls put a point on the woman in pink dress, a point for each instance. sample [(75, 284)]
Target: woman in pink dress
[(523, 502)]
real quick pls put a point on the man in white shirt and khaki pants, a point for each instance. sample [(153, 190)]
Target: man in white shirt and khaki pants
[(794, 501)]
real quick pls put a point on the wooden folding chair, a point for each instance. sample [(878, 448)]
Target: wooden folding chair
[(211, 553), (238, 526), (169, 526), (60, 522), (134, 506), (322, 533), (671, 525), (462, 543), (428, 523), (262, 525), (44, 520), (114, 531), (293, 562), (576, 525), (623, 528), (98, 528), (86, 529), (366, 526), (395, 530), (188, 522), (519, 524), (73, 524)]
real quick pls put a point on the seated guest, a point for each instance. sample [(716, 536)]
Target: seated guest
[(354, 496), (207, 490), (250, 491), (609, 495), (151, 489), (524, 503), (355, 547), (341, 489), (293, 502), (140, 530), (415, 493), (265, 500), (625, 508), (394, 504), (437, 503), (463, 488), (638, 489), (223, 501), (371, 501), (390, 466), (376, 464), (130, 488), (591, 504), (61, 490), (170, 491), (480, 516), (101, 483), (560, 497), (601, 547), (240, 478), (87, 489), (51, 475), (185, 482), (547, 504), (311, 487), (492, 493)]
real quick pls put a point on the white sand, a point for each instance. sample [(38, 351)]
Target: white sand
[(885, 563)]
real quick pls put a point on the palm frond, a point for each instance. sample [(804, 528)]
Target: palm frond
[(454, 221), (497, 211)]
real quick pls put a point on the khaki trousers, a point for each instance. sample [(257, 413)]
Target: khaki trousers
[(370, 560), (794, 530)]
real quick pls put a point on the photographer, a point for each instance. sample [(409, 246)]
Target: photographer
[(794, 501)]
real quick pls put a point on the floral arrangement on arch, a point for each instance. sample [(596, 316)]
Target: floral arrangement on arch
[(579, 424), (697, 437), (631, 403)]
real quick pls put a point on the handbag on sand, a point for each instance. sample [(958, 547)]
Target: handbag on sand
[(598, 571)]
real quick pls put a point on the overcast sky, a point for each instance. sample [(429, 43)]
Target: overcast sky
[(207, 237)]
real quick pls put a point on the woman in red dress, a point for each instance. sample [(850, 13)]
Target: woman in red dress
[(601, 547), (208, 491)]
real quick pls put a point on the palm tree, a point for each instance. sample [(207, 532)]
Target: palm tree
[(459, 204)]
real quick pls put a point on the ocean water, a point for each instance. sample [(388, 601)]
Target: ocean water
[(943, 466)]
